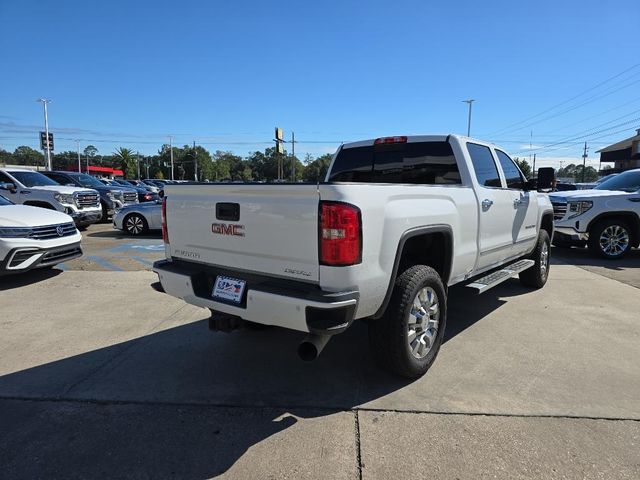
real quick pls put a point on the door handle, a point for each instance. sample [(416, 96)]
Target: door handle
[(486, 204), (517, 202)]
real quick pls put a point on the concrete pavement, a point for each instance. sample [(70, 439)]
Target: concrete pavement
[(100, 373)]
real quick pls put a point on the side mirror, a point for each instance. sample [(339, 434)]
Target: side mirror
[(161, 193), (546, 178), (530, 185), (11, 187)]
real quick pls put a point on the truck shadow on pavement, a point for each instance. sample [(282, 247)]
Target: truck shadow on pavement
[(188, 403)]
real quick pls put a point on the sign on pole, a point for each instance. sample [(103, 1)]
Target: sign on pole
[(43, 141)]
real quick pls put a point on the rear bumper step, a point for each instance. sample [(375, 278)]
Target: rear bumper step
[(496, 278)]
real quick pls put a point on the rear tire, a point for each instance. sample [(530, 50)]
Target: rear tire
[(537, 276), (406, 339), (610, 239)]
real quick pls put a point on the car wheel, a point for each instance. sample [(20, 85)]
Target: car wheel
[(406, 339), (537, 275), (610, 239), (135, 224)]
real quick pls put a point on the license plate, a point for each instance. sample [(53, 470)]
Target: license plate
[(229, 289)]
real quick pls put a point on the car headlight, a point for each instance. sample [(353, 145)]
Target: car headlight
[(14, 232), (578, 208), (63, 197)]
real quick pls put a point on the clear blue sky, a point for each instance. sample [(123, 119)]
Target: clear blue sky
[(124, 73)]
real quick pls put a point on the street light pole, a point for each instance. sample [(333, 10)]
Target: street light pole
[(171, 153), (44, 102), (79, 166), (470, 102)]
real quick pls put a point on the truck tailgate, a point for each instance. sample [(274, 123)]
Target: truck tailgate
[(270, 229)]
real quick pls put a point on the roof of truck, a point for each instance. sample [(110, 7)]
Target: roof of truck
[(412, 139)]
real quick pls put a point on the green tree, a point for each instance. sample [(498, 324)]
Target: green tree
[(24, 155), (67, 160), (5, 157), (524, 166), (316, 170), (126, 161)]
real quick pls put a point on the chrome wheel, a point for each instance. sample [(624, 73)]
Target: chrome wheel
[(134, 225), (422, 326), (544, 260), (614, 240)]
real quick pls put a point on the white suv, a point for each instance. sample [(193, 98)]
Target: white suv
[(32, 237), (35, 189), (607, 218)]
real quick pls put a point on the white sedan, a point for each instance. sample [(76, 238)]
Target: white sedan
[(35, 237)]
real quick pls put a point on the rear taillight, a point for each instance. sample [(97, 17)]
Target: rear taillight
[(165, 233), (387, 140), (340, 234)]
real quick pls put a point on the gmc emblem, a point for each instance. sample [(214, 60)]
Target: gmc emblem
[(227, 229)]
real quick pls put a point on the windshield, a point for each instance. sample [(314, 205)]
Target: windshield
[(626, 182), (88, 181), (4, 201), (32, 179)]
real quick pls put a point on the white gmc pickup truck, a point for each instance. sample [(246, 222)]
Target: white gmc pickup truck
[(397, 221)]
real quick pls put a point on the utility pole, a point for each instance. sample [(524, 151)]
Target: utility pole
[(47, 152), (138, 163), (470, 101), (171, 153), (79, 165), (584, 160), (534, 166), (195, 162), (293, 157)]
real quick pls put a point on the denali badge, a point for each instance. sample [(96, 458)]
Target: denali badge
[(227, 229)]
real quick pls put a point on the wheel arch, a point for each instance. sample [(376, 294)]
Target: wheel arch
[(428, 245), (630, 217)]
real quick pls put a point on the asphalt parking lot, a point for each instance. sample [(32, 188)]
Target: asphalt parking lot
[(103, 376)]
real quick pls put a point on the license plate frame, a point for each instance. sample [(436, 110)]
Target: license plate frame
[(228, 289)]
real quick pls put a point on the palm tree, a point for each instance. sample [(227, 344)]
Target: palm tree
[(127, 161)]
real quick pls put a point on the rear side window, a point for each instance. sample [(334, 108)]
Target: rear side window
[(511, 172), (425, 163), (484, 165)]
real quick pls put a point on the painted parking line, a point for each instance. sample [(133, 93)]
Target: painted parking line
[(103, 263), (143, 261), (154, 247)]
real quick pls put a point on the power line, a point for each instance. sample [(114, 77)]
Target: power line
[(567, 101)]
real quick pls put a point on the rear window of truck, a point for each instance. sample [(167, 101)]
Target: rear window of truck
[(424, 163)]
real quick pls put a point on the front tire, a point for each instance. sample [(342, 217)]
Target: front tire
[(537, 276), (135, 224), (610, 239), (406, 339)]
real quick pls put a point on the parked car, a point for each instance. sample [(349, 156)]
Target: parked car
[(606, 218), (35, 189), (591, 185), (397, 221), (141, 184), (139, 219), (34, 237), (111, 198), (144, 195)]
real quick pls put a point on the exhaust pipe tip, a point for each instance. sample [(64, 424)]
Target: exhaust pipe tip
[(310, 348), (307, 351)]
